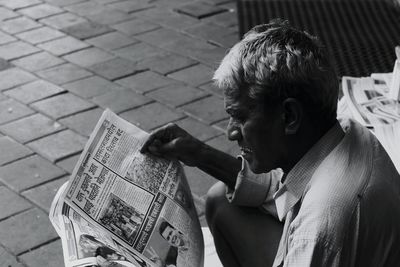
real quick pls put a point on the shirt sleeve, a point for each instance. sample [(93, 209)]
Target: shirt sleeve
[(255, 190), (312, 253)]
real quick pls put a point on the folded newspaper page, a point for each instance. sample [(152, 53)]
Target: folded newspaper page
[(367, 99), (124, 206)]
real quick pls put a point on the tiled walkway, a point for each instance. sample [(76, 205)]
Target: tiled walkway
[(62, 62)]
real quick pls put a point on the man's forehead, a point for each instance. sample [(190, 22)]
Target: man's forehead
[(238, 103)]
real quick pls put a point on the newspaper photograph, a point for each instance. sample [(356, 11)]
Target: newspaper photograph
[(369, 103), (127, 206)]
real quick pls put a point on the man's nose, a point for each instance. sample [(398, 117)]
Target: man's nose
[(233, 131)]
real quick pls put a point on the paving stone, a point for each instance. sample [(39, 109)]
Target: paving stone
[(199, 9), (199, 181), (4, 64), (166, 64), (116, 68), (197, 129), (34, 91), (222, 143), (83, 122), (58, 146), (145, 81), (5, 13), (13, 77), (211, 57), (30, 128), (121, 100), (14, 150), (217, 2), (86, 30), (110, 17), (38, 61), (41, 11), (151, 116), (112, 40), (48, 255), (63, 45), (92, 86), (62, 105), (16, 4), (172, 3), (62, 20), (86, 8), (29, 172), (209, 31), (222, 125), (26, 230), (195, 75), (131, 6), (19, 24), (169, 19), (40, 35), (231, 6), (68, 164), (6, 38), (210, 87), (64, 73), (160, 37), (11, 110), (7, 259), (210, 109), (226, 41), (135, 26), (43, 195), (17, 49), (8, 197), (63, 3), (226, 19), (186, 45), (88, 57), (176, 94), (104, 2), (139, 51), (2, 97)]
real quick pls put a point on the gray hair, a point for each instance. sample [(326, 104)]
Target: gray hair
[(275, 61)]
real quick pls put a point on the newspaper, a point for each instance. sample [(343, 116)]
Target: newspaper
[(367, 99), (369, 102), (125, 206)]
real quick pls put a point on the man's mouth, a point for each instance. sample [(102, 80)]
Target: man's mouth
[(246, 150)]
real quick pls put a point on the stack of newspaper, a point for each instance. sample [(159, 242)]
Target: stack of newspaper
[(374, 102), (126, 207)]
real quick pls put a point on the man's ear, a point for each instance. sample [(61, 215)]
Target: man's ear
[(293, 115)]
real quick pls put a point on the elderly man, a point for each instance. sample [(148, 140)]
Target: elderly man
[(306, 190)]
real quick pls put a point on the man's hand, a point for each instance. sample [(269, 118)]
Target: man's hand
[(102, 262), (173, 142)]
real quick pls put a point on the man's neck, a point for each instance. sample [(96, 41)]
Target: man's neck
[(300, 143)]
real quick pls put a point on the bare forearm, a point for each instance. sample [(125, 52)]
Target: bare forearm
[(218, 164)]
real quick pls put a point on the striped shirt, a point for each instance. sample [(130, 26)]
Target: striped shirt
[(340, 203)]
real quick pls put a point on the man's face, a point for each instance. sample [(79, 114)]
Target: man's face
[(258, 134), (173, 237)]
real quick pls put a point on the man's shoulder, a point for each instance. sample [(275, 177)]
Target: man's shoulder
[(357, 175)]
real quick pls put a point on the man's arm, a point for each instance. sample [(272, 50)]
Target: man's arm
[(173, 142)]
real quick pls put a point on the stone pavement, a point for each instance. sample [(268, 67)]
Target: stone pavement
[(62, 62)]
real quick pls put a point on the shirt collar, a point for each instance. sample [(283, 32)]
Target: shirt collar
[(292, 189)]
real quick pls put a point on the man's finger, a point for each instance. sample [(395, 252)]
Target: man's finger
[(160, 133), (167, 150), (102, 262), (150, 140)]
